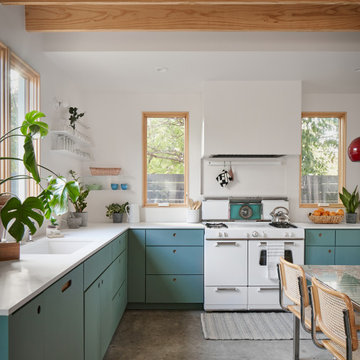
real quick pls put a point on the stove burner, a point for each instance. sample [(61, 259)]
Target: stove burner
[(215, 225), (284, 225)]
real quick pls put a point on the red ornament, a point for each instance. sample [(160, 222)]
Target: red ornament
[(354, 150)]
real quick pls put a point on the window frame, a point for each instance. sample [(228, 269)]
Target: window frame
[(10, 61), (342, 154), (166, 114)]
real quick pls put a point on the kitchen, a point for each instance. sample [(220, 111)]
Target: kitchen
[(115, 77)]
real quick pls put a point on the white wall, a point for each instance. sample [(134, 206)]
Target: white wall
[(116, 127)]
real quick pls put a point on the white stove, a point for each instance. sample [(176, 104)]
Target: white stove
[(240, 263)]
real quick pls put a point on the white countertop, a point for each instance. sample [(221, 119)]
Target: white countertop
[(310, 225), (21, 280)]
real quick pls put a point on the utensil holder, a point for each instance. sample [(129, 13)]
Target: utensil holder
[(192, 216)]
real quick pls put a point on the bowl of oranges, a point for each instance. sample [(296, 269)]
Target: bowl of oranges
[(322, 216)]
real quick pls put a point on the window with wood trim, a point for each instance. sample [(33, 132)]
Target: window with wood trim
[(21, 94), (165, 158), (322, 163)]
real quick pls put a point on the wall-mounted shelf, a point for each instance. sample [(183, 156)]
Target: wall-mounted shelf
[(81, 155)]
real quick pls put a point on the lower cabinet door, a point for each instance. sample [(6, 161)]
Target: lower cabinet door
[(319, 255), (27, 335), (93, 322), (347, 255), (174, 288), (119, 305), (106, 309), (64, 327)]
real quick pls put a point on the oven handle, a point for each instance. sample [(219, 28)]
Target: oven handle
[(226, 289), (267, 289), (233, 243), (264, 243)]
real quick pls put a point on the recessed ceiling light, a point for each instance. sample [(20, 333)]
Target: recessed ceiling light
[(162, 69)]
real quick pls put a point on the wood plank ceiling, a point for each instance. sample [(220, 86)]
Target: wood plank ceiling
[(190, 15)]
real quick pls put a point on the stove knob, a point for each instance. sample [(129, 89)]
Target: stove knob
[(226, 234), (247, 235), (264, 234), (220, 234), (287, 234), (254, 234), (292, 234)]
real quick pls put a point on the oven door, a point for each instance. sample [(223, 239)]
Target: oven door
[(225, 262), (258, 271)]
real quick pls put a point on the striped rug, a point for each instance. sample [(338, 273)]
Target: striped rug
[(249, 326)]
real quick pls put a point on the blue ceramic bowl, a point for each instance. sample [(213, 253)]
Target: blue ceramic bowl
[(114, 186), (124, 186)]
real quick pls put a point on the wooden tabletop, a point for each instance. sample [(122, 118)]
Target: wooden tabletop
[(343, 278)]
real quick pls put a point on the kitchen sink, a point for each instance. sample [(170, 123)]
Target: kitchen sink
[(53, 246)]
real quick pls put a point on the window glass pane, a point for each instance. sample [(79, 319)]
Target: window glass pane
[(320, 160), (165, 160), (17, 116)]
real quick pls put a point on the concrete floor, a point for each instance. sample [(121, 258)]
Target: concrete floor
[(177, 335)]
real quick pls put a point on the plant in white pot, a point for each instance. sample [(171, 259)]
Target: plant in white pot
[(116, 211), (16, 215), (351, 203), (80, 204)]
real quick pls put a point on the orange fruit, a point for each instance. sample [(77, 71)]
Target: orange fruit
[(340, 212), (326, 213), (317, 213), (332, 213)]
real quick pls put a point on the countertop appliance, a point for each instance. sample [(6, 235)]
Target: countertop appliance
[(240, 263)]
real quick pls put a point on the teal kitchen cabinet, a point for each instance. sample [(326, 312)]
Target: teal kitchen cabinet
[(51, 325), (320, 255), (332, 247), (27, 331), (174, 266), (105, 299), (64, 325), (347, 250), (136, 266)]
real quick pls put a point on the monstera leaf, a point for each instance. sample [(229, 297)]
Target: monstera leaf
[(23, 215), (29, 158), (62, 190), (31, 126)]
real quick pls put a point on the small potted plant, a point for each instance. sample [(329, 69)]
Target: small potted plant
[(74, 116), (116, 211), (80, 204), (351, 203)]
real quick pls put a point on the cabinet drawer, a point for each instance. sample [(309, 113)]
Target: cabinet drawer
[(119, 245), (320, 237), (174, 288), (174, 260), (320, 255), (264, 298), (175, 237), (94, 266), (233, 297), (347, 255), (119, 305), (347, 237), (119, 272)]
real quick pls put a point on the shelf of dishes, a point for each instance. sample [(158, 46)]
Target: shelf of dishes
[(74, 135), (106, 182)]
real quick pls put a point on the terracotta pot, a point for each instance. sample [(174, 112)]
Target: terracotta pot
[(9, 251)]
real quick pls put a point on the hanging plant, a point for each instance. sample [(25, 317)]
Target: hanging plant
[(74, 116)]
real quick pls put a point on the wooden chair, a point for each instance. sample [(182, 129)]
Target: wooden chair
[(334, 314), (292, 283)]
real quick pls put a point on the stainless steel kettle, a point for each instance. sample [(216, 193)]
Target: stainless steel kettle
[(280, 215)]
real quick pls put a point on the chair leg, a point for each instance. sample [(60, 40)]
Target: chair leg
[(296, 338)]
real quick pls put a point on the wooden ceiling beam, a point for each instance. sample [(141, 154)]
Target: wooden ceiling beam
[(178, 2), (193, 18)]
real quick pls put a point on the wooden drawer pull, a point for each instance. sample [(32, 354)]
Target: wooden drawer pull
[(174, 251), (329, 251), (174, 234), (320, 234), (66, 286), (174, 279)]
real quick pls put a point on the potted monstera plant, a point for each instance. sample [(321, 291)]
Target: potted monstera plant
[(17, 215)]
